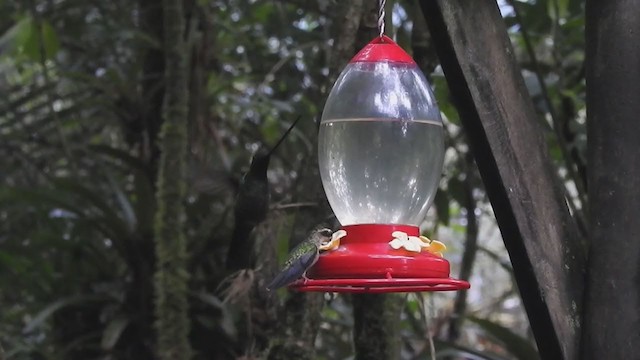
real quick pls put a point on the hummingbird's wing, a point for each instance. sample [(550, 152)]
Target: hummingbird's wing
[(295, 269)]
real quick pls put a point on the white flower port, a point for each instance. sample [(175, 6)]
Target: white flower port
[(416, 243)]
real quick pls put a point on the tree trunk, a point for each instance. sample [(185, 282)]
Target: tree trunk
[(613, 83), (171, 278), (376, 334)]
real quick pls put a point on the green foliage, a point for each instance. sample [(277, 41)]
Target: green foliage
[(31, 39)]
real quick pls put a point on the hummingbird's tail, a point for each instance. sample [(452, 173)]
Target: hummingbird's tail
[(281, 280), (294, 271)]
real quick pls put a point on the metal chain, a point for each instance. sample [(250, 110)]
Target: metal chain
[(381, 16)]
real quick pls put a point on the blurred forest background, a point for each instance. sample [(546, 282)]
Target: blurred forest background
[(83, 83)]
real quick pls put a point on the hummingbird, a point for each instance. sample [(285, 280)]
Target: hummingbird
[(301, 258), (251, 206)]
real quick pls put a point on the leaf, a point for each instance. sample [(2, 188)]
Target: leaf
[(557, 9), (50, 39), (120, 155), (26, 39), (113, 331), (111, 218), (38, 197), (109, 223), (16, 264), (145, 39), (50, 309), (442, 206), (504, 263), (456, 190), (29, 43), (210, 300), (446, 349), (270, 130), (262, 12), (515, 344), (9, 39), (11, 104), (142, 210), (125, 205), (224, 320)]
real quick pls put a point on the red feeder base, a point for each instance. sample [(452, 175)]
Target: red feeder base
[(366, 263)]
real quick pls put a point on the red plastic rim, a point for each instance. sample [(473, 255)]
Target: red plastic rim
[(366, 263), (383, 49), (388, 285)]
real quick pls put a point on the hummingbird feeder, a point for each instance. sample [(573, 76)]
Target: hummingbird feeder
[(381, 152)]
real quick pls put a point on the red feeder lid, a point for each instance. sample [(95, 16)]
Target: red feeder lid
[(382, 49), (365, 262)]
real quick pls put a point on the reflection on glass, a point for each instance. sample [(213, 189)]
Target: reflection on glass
[(380, 145)]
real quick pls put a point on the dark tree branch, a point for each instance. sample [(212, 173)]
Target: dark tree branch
[(152, 83), (612, 301), (507, 141), (345, 28)]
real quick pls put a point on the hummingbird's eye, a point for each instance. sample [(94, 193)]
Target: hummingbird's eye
[(326, 232)]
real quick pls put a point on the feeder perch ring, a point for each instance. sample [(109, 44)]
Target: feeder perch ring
[(386, 285)]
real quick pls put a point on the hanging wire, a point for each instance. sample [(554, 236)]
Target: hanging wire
[(381, 16)]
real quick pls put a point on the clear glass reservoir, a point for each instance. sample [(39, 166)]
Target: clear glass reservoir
[(381, 144)]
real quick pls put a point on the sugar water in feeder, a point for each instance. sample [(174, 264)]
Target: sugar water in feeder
[(380, 143), (381, 152)]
